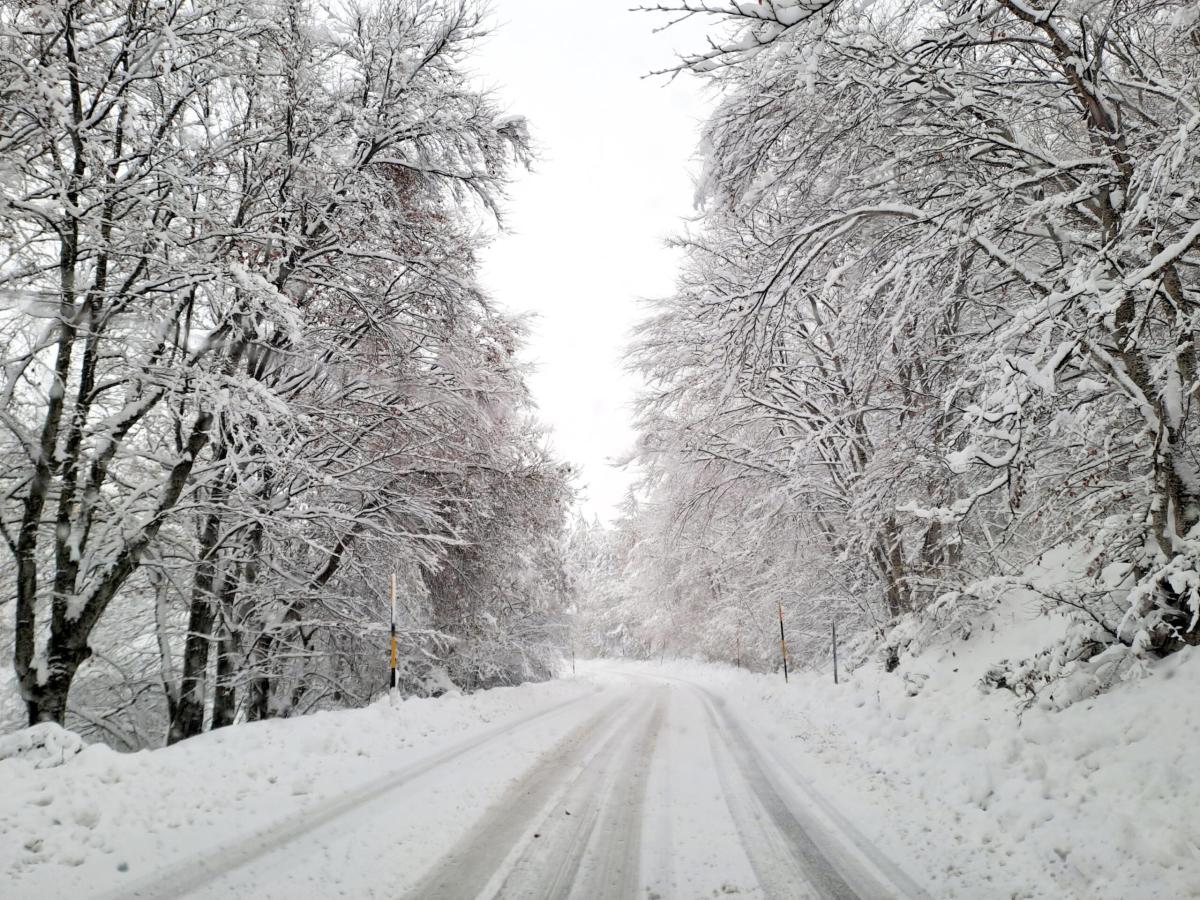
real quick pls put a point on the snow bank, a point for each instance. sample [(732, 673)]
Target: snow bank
[(102, 818), (978, 794), (43, 745)]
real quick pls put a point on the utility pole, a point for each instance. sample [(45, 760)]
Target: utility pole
[(833, 629), (392, 683), (783, 644)]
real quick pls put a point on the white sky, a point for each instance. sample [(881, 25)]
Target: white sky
[(586, 227)]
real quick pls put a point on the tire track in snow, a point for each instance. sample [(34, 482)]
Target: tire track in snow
[(610, 861), (492, 843), (792, 834), (569, 828), (785, 859), (834, 858), (178, 879)]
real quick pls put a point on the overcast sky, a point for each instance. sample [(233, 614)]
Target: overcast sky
[(587, 226)]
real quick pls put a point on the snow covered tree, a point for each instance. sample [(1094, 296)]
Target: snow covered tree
[(112, 256), (947, 262), (248, 371)]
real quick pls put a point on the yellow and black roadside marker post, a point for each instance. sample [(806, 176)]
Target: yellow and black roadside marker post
[(783, 644), (392, 681)]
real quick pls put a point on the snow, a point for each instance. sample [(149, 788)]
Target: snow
[(979, 796), (921, 775), (43, 745), (103, 819)]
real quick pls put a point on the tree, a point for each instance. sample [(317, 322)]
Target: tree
[(248, 371), (947, 266)]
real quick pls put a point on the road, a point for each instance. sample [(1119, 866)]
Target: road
[(647, 788)]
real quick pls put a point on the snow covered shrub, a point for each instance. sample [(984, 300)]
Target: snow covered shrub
[(1164, 606), (952, 617), (44, 745), (1085, 663)]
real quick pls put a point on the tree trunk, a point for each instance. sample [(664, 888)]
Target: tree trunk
[(189, 714), (225, 694), (49, 702), (258, 692), (193, 683)]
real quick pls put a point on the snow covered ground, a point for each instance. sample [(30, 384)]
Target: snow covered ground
[(643, 780), (980, 797), (110, 822)]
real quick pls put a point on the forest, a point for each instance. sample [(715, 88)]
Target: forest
[(499, 449), (248, 371), (934, 341)]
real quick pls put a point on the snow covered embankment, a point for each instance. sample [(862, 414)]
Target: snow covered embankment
[(979, 797), (102, 819)]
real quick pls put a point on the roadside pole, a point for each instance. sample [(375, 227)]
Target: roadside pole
[(833, 629), (783, 644), (392, 682)]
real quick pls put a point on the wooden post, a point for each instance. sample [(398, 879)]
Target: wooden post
[(833, 629), (783, 644), (392, 682)]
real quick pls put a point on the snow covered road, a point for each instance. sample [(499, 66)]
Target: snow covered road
[(643, 786), (651, 779)]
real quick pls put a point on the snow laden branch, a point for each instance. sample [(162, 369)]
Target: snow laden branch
[(753, 25)]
